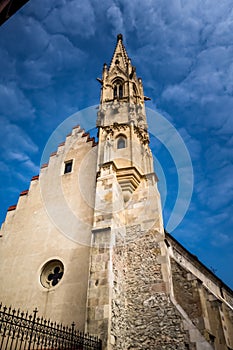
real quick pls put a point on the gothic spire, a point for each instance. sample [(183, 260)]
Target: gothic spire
[(120, 57), (119, 80)]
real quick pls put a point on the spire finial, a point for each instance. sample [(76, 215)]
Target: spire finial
[(119, 37)]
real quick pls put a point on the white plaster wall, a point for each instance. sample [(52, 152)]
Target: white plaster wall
[(30, 238)]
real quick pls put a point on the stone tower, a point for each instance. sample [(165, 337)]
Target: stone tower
[(127, 200), (130, 300), (105, 262)]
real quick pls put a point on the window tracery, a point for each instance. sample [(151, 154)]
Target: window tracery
[(118, 89), (52, 273)]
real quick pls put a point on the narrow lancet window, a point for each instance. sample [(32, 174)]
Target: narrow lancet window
[(121, 142), (118, 89)]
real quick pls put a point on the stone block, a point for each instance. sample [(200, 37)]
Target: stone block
[(99, 312), (158, 287)]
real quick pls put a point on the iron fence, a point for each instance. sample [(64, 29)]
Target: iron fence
[(24, 331)]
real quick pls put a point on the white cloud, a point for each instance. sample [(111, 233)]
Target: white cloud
[(16, 141), (21, 157), (222, 239), (31, 166), (14, 104), (73, 17), (115, 17), (25, 39), (59, 56), (4, 167)]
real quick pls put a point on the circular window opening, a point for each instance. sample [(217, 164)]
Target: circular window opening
[(52, 273)]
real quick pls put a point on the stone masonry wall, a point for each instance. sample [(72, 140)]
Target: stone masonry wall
[(97, 319), (212, 317), (187, 294), (143, 316)]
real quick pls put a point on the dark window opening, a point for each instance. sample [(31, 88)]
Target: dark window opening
[(211, 338), (68, 167), (121, 143), (52, 273), (134, 89), (115, 91), (118, 89), (55, 276)]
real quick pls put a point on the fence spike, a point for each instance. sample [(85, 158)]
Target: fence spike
[(47, 334)]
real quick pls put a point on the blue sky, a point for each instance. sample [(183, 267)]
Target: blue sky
[(52, 51)]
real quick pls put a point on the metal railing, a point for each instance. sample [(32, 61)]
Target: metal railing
[(24, 331)]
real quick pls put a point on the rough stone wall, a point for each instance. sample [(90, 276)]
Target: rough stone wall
[(215, 331), (119, 300), (187, 294), (227, 321), (143, 316), (212, 317)]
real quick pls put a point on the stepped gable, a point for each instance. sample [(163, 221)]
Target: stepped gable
[(45, 165), (12, 207), (53, 154), (24, 193), (36, 177), (62, 144)]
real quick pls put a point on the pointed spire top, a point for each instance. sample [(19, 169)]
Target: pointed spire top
[(120, 56), (119, 37)]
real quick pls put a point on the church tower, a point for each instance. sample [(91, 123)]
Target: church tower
[(140, 278), (128, 224)]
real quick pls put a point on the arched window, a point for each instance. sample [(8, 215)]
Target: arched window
[(121, 142), (118, 89)]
